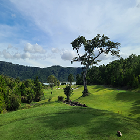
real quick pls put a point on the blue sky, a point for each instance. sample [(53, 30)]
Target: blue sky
[(38, 33)]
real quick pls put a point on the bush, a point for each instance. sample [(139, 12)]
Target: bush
[(13, 102), (2, 103), (4, 111), (63, 83), (27, 106), (60, 98), (68, 92)]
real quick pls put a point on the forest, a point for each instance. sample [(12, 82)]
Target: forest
[(119, 73), (26, 72)]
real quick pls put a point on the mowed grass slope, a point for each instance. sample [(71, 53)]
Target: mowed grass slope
[(55, 120)]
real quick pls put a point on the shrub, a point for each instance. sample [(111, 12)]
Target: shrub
[(63, 83), (27, 106), (2, 103), (13, 102), (4, 111), (60, 98), (68, 92)]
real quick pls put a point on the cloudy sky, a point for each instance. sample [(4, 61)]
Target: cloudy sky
[(38, 33)]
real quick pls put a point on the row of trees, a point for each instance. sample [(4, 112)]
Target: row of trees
[(13, 92), (119, 73)]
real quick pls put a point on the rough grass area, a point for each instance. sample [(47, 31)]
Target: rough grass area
[(55, 120)]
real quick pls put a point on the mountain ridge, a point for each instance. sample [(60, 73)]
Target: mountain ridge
[(27, 72)]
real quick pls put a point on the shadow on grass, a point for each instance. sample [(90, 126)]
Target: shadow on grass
[(98, 88), (125, 96), (129, 96), (135, 109), (95, 122), (102, 87)]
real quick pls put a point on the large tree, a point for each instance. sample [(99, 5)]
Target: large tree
[(102, 43)]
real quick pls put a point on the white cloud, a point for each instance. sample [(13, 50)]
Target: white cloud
[(6, 54), (26, 55), (34, 48), (68, 55), (10, 46), (17, 56)]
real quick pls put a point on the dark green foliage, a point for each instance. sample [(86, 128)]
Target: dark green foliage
[(27, 91), (2, 102), (58, 83), (24, 72), (13, 92), (13, 102), (52, 81), (60, 98), (79, 79), (68, 92), (22, 89), (70, 79), (119, 73), (38, 90), (63, 83), (30, 95)]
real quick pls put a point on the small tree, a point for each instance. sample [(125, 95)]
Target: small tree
[(70, 79), (52, 81), (68, 92), (103, 44), (58, 83), (38, 90)]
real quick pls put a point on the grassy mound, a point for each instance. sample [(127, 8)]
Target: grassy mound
[(55, 120)]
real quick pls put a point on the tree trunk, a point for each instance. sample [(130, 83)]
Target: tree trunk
[(70, 84), (68, 98), (85, 83)]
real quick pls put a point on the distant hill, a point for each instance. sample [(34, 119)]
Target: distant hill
[(26, 72)]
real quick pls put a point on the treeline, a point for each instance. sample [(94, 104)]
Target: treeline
[(119, 73), (25, 72), (13, 92)]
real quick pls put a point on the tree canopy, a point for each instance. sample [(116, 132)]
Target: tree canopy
[(70, 79), (52, 81), (102, 43)]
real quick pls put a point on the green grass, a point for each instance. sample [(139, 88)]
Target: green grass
[(55, 120)]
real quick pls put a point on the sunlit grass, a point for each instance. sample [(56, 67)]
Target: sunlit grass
[(56, 120)]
